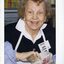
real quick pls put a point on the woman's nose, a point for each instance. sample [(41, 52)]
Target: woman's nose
[(35, 16)]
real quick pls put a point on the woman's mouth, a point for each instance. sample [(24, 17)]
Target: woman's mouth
[(34, 22)]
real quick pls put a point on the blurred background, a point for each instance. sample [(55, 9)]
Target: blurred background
[(11, 11)]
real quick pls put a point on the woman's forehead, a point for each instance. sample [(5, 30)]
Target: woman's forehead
[(31, 4)]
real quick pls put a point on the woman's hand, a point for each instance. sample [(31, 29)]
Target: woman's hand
[(33, 57), (48, 60), (26, 55)]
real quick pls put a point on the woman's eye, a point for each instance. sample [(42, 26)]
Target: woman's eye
[(40, 12), (29, 11)]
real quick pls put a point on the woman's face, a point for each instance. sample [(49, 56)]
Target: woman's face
[(34, 15)]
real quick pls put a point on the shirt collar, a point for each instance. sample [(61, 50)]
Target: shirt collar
[(21, 27)]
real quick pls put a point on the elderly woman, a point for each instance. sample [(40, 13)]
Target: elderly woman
[(31, 37)]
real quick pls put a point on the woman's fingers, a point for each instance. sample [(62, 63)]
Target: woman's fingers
[(47, 61), (33, 57)]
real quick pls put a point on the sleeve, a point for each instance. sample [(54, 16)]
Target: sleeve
[(9, 54)]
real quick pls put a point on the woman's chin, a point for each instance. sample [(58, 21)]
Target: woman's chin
[(34, 29)]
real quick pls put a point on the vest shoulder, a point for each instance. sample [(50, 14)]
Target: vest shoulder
[(10, 25), (49, 28)]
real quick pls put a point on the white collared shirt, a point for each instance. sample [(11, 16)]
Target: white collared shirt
[(21, 27)]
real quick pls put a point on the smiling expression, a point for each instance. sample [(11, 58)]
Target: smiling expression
[(35, 15)]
